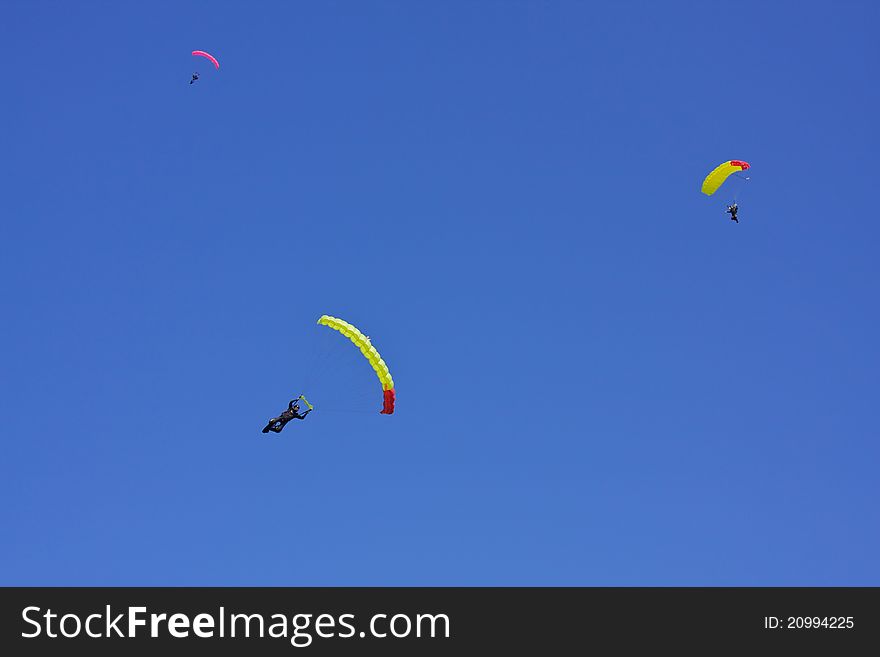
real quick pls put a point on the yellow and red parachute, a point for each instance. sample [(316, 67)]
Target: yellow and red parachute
[(721, 173), (363, 343)]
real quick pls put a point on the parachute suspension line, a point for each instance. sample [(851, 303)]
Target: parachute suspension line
[(320, 363), (741, 187), (313, 372), (327, 361)]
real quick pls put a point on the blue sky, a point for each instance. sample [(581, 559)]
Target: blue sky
[(601, 379)]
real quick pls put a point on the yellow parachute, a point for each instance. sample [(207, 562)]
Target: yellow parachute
[(362, 342), (715, 179)]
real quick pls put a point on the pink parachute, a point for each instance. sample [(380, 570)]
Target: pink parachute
[(202, 53)]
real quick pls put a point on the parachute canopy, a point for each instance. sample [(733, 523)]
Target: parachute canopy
[(362, 342), (715, 179), (202, 53)]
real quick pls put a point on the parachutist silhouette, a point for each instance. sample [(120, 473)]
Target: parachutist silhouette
[(276, 424), (731, 210)]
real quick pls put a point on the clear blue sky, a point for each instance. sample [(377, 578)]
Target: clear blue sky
[(601, 379)]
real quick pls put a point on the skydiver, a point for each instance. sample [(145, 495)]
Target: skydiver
[(731, 210), (276, 424), (194, 78)]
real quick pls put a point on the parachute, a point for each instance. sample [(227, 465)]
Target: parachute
[(362, 342), (715, 179), (202, 53)]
